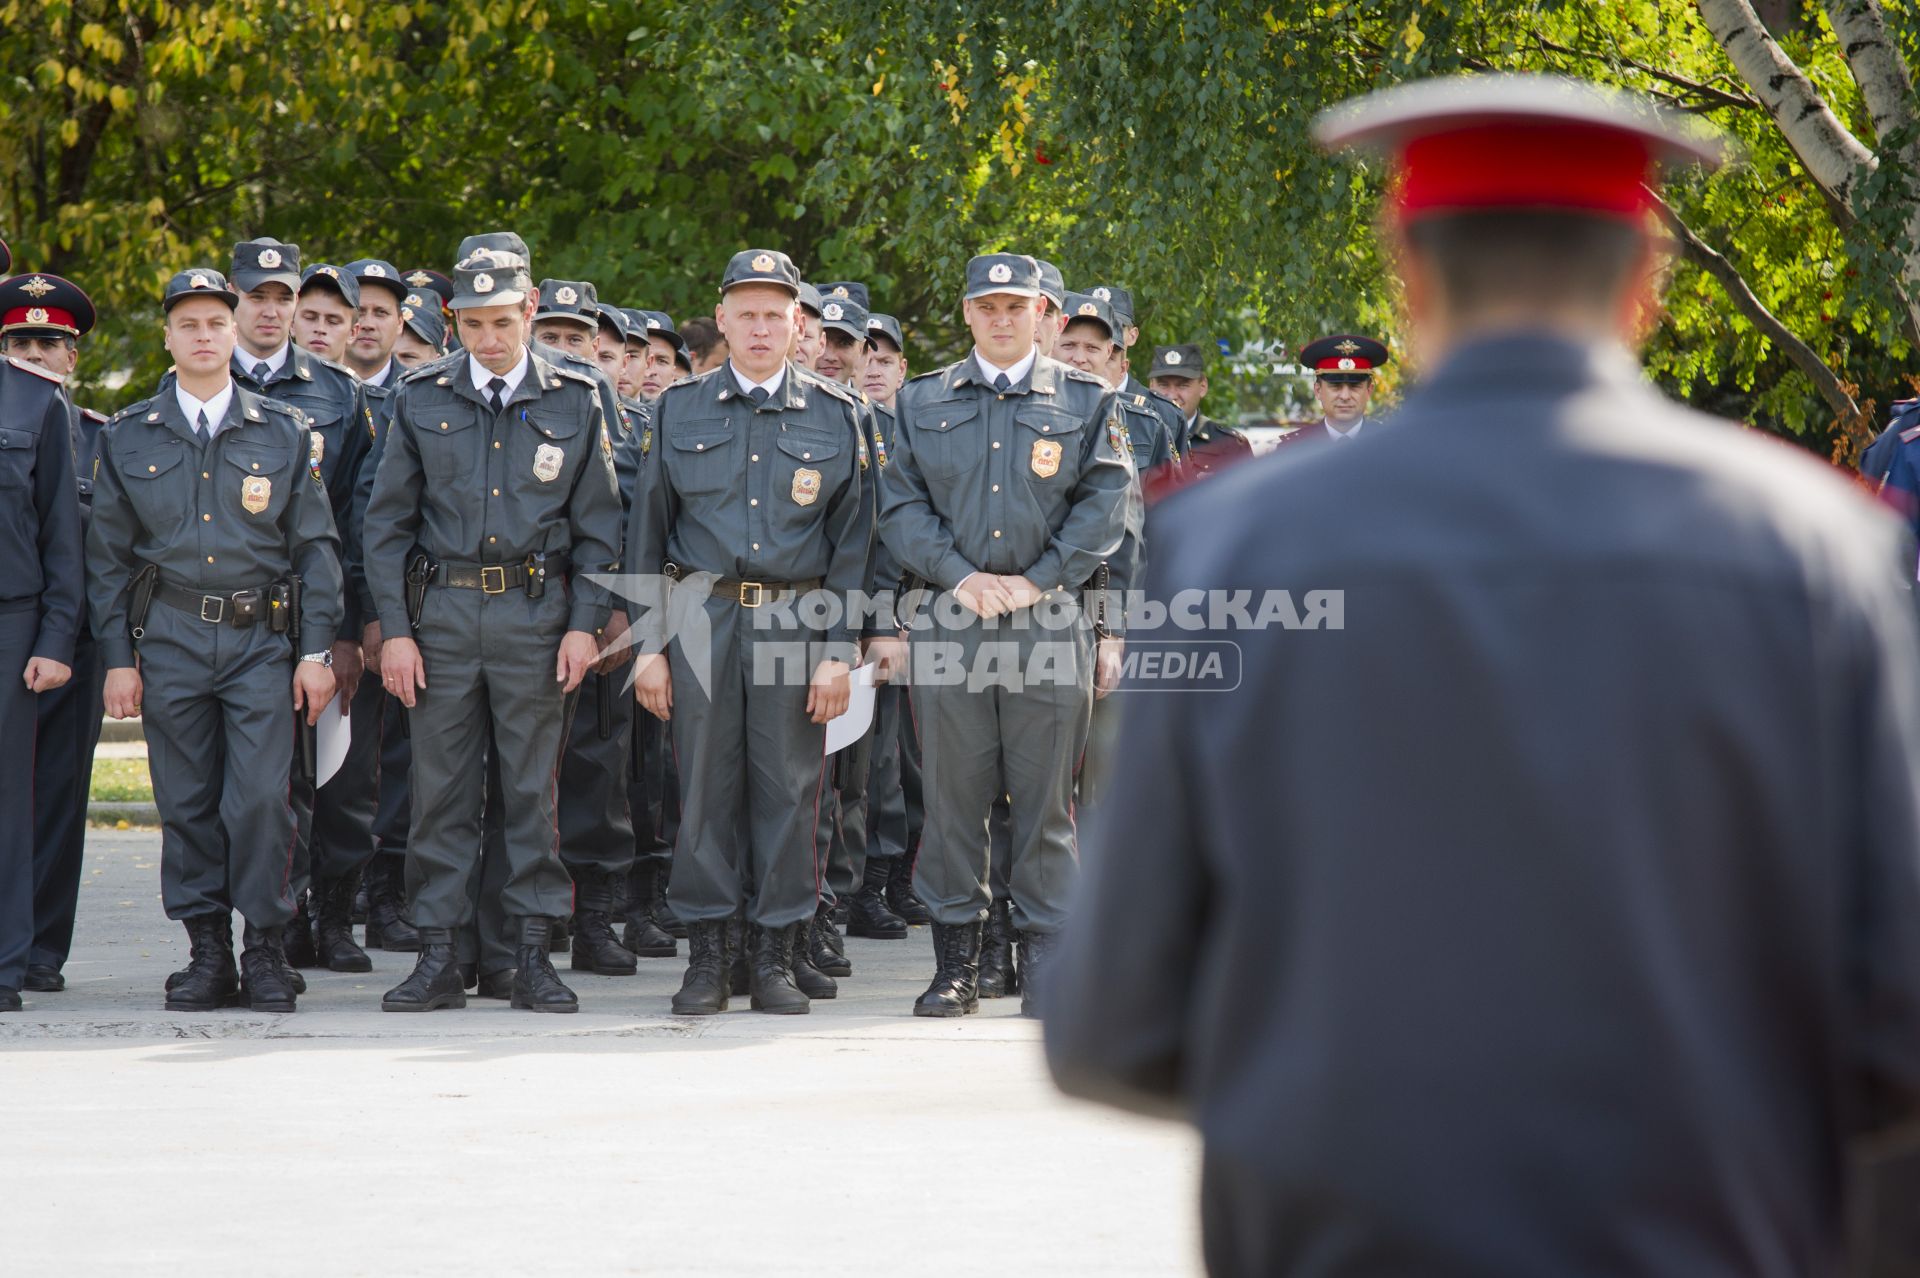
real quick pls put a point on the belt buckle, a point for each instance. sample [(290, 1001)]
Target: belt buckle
[(759, 594), (219, 606), (499, 572)]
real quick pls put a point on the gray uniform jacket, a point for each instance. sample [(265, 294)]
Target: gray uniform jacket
[(1029, 481), (466, 487), (1560, 911), (243, 510)]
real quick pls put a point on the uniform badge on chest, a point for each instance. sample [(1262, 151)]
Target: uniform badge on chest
[(1046, 458), (806, 486), (546, 463), (256, 491), (316, 447)]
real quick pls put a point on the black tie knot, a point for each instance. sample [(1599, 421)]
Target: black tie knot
[(261, 372), (759, 395), (497, 393), (200, 421), (1000, 382)]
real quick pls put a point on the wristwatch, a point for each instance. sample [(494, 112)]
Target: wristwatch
[(324, 659)]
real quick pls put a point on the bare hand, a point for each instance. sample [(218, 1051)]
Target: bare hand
[(370, 648), (613, 652), (831, 689), (1106, 666), (983, 595), (45, 674), (313, 686), (888, 653), (122, 693), (653, 685), (402, 671), (1021, 593), (347, 667), (578, 652)]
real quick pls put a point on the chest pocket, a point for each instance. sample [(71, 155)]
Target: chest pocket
[(951, 438), (808, 470), (1049, 444), (159, 488), (703, 454), (448, 443), (547, 442), (17, 451), (253, 483)]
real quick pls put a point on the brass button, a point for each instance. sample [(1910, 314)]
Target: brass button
[(209, 558), (996, 532), (756, 545), (443, 425), (496, 443), (206, 519), (753, 501), (943, 425), (256, 465), (491, 540), (999, 396), (496, 492), (203, 474), (152, 470), (1045, 429), (755, 457), (996, 488), (996, 443), (699, 448), (806, 456)]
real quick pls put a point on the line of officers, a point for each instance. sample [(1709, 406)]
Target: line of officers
[(462, 507)]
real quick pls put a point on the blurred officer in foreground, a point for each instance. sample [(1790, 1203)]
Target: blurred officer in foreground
[(42, 319), (213, 549), (41, 600), (1612, 872)]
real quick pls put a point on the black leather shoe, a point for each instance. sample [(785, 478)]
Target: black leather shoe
[(266, 982), (999, 976), (595, 948), (387, 926), (1036, 949), (333, 925), (469, 975), (646, 898), (739, 975), (808, 977), (296, 941), (9, 999), (559, 936), (42, 979), (900, 895), (210, 979), (704, 989), (436, 979), (770, 978), (536, 986), (824, 945), (497, 985), (955, 989), (868, 914)]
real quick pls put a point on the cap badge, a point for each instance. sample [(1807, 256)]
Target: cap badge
[(1000, 273), (36, 287), (414, 299), (567, 296), (1104, 293), (1088, 308), (36, 315), (652, 322), (419, 279), (330, 272), (833, 311), (841, 292), (483, 283), (763, 263), (375, 271), (406, 313), (1173, 357), (1346, 365), (1348, 347), (199, 281), (269, 258)]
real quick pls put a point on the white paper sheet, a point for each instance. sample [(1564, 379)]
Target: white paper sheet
[(849, 726), (331, 736)]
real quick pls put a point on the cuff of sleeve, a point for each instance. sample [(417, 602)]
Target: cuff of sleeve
[(117, 652), (54, 645), (318, 639), (953, 570), (396, 628), (1046, 573), (588, 615), (840, 646)]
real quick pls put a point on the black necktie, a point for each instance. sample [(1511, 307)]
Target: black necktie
[(1000, 382), (497, 393), (759, 395), (200, 423), (261, 372)]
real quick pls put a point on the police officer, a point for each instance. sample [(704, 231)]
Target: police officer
[(1091, 340), (41, 600), (662, 357), (1180, 374), (266, 361), (1053, 288), (42, 319), (1007, 489), (324, 311), (1343, 368), (807, 335), (208, 502), (498, 472), (1132, 392), (756, 497)]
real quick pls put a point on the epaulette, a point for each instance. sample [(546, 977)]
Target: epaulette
[(37, 371), (581, 375), (433, 367), (302, 353), (1910, 434), (921, 377), (838, 390), (132, 410), (1165, 400), (1081, 375), (95, 417)]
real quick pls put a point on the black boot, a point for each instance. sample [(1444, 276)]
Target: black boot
[(998, 975), (496, 984), (9, 999), (266, 982), (560, 936), (297, 940), (771, 975), (387, 926), (436, 980), (811, 979), (900, 891), (333, 925), (739, 938), (1036, 949), (704, 991), (210, 980), (360, 901), (602, 899), (826, 947), (536, 986), (868, 915), (668, 921), (956, 980), (646, 899)]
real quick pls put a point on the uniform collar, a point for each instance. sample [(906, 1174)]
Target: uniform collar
[(1349, 433), (786, 389), (382, 380), (216, 408), (747, 385), (479, 375), (985, 372)]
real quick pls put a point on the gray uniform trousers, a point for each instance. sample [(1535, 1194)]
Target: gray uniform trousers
[(596, 829), (981, 742), (490, 676), (752, 768), (344, 808), (217, 707)]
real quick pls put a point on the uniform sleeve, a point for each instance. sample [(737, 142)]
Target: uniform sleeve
[(1094, 526), (353, 548), (63, 572), (313, 543), (393, 521), (916, 533), (1132, 1052), (356, 442), (849, 529), (648, 523), (884, 573), (594, 517), (110, 565)]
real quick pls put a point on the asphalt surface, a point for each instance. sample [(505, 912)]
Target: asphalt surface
[(622, 1140)]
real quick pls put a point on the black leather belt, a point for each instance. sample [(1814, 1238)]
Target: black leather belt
[(240, 609), (497, 579), (750, 594)]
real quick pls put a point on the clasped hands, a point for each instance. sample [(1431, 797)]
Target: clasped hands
[(986, 595)]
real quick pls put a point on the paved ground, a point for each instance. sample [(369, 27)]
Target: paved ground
[(343, 1141)]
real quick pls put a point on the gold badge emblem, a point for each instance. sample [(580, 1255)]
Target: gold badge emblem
[(1348, 347), (419, 279), (330, 272), (256, 491), (36, 315), (1104, 293), (1346, 364), (1088, 308), (36, 288), (546, 463), (406, 312), (646, 441), (806, 486), (763, 263), (1046, 458), (316, 447), (269, 258), (414, 299), (833, 311), (199, 281)]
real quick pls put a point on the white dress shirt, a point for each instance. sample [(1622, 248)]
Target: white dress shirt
[(1014, 374), (215, 408)]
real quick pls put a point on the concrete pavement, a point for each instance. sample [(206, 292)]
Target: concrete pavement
[(622, 1140)]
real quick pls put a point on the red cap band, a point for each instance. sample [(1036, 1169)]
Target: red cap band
[(1586, 168), (39, 317), (1344, 364)]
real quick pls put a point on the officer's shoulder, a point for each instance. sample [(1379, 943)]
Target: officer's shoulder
[(264, 408), (683, 390), (53, 379), (327, 368), (1072, 374), (839, 390), (136, 411), (1157, 399), (430, 370), (93, 416)]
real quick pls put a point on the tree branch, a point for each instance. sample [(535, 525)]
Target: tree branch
[(1703, 255), (1698, 88), (1877, 66)]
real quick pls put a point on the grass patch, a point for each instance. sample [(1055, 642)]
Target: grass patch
[(121, 781)]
